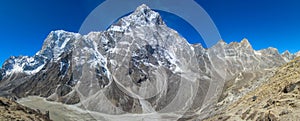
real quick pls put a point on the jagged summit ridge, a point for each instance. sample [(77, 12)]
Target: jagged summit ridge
[(245, 43), (142, 16)]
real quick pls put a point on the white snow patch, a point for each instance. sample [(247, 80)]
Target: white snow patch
[(63, 45), (35, 70), (257, 53)]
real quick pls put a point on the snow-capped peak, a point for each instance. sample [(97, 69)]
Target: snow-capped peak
[(143, 7), (245, 43), (286, 53), (58, 42), (23, 64), (297, 54), (142, 16), (220, 43)]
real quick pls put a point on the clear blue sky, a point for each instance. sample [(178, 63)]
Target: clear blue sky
[(25, 24)]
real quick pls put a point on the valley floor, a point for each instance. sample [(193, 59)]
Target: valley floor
[(58, 111), (62, 112)]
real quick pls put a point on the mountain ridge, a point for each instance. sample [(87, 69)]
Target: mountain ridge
[(117, 69), (276, 99)]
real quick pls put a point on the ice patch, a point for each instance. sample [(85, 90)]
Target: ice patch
[(257, 53), (64, 43), (35, 70)]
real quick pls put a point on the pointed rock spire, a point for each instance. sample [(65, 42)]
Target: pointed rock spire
[(145, 15), (245, 43), (142, 16)]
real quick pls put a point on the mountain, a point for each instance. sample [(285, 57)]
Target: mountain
[(276, 99), (139, 65)]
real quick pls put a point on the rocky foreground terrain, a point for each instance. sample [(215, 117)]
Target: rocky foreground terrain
[(277, 99), (12, 111)]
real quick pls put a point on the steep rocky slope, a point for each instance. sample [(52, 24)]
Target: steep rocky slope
[(277, 99), (12, 111), (241, 84)]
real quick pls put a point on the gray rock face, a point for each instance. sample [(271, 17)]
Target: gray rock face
[(288, 56), (1, 74), (138, 65)]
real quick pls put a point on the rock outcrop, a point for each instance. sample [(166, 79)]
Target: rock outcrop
[(12, 111)]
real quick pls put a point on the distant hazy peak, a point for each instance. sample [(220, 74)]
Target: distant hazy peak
[(245, 41), (297, 53), (286, 53), (220, 43)]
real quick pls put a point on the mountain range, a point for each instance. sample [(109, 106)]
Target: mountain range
[(140, 66)]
